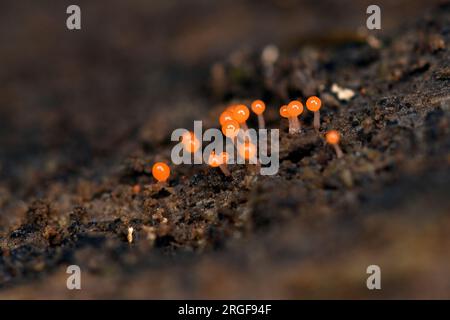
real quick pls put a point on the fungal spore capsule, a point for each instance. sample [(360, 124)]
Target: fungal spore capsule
[(219, 160), (241, 114), (313, 104), (231, 129), (285, 114), (161, 172), (258, 107), (294, 109), (333, 137), (225, 116)]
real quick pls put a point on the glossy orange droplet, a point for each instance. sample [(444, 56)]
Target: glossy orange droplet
[(295, 108), (313, 103), (258, 106), (215, 160), (284, 111), (333, 137), (230, 128), (161, 171), (225, 116), (190, 142), (247, 150), (241, 113)]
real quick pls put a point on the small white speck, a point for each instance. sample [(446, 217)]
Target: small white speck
[(130, 235), (342, 93)]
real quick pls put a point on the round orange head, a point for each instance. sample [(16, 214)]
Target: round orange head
[(258, 106), (295, 108), (215, 160), (313, 103), (247, 150), (241, 113), (161, 171), (225, 116), (190, 142), (332, 137), (230, 128), (284, 111)]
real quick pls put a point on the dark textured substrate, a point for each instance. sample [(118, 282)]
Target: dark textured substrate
[(308, 232)]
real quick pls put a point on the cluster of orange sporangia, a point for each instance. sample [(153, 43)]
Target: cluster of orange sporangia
[(313, 104), (295, 109), (234, 118)]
